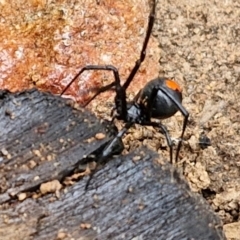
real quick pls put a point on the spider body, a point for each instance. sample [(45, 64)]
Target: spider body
[(152, 102), (161, 98), (162, 106)]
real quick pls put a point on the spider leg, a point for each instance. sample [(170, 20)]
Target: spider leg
[(143, 51), (165, 132), (180, 108), (97, 67), (177, 104), (185, 121), (120, 98), (98, 91), (111, 148), (135, 99)]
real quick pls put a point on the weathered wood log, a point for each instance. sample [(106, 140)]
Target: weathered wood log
[(136, 196), (42, 138)]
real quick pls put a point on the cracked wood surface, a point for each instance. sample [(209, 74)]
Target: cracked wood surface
[(42, 138)]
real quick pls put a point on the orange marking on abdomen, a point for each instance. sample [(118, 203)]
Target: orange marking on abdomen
[(173, 85)]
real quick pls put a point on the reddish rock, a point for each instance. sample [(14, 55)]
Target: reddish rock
[(45, 43)]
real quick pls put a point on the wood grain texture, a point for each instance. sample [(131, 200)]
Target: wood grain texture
[(44, 129)]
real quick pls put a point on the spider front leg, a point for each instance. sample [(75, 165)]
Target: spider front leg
[(116, 83), (112, 148), (144, 47)]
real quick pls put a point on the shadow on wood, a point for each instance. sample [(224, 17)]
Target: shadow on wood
[(137, 196)]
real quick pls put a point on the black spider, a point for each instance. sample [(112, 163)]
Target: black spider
[(161, 98)]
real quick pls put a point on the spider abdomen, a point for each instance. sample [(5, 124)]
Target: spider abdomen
[(161, 91)]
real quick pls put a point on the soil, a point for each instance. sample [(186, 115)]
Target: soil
[(199, 43)]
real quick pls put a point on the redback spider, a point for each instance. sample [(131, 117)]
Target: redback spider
[(161, 98)]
